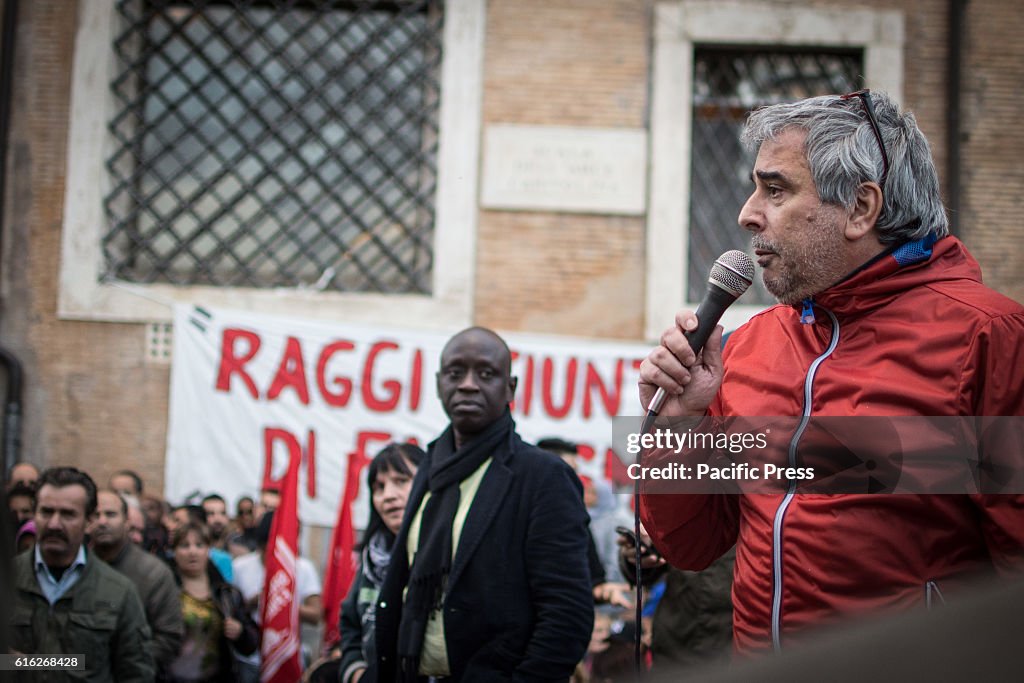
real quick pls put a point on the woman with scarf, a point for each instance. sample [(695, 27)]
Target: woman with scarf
[(389, 477)]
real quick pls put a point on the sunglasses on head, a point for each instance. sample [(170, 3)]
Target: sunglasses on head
[(865, 98)]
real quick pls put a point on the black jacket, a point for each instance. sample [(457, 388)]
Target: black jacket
[(230, 603), (518, 604), (357, 619)]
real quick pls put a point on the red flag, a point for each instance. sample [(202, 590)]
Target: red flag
[(341, 565), (280, 660)]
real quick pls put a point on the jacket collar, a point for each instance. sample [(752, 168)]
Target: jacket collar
[(25, 577), (896, 271)]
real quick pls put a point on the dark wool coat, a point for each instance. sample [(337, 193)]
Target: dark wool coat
[(518, 604)]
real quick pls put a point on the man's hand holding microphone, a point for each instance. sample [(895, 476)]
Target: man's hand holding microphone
[(681, 376)]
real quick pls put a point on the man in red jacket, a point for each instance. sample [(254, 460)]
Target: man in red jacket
[(881, 313)]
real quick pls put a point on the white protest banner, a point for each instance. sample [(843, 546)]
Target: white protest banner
[(250, 391)]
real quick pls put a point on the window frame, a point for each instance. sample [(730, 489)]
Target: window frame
[(680, 26), (82, 296)]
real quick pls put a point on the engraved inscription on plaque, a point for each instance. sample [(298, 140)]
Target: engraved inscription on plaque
[(547, 168)]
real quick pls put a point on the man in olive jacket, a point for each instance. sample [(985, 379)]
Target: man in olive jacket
[(68, 601)]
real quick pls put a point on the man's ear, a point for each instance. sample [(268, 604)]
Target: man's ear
[(866, 208), (513, 382)]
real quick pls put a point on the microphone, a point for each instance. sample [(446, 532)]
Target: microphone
[(730, 276)]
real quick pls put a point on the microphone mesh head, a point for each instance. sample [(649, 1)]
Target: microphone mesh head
[(733, 271)]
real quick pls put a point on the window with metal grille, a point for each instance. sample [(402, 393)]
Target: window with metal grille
[(728, 83), (275, 143)]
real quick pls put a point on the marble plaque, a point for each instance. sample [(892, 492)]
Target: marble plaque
[(549, 168)]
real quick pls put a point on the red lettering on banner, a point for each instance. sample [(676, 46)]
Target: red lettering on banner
[(584, 451), (291, 373), (611, 399), (364, 439), (513, 357), (605, 463), (231, 364), (271, 435), (570, 388), (335, 388), (391, 386), (599, 393), (528, 386), (295, 450), (416, 383), (340, 398), (311, 463)]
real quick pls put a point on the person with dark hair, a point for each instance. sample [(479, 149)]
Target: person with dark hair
[(69, 602), (389, 479), (126, 482), (196, 514), (610, 654), (566, 450), (881, 313), (23, 473), (241, 537), (21, 502), (217, 624), (161, 597), (488, 578), (217, 520), (270, 498), (245, 513), (156, 539), (187, 514)]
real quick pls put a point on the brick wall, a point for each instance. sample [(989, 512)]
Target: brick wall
[(570, 63), (993, 142), (90, 399)]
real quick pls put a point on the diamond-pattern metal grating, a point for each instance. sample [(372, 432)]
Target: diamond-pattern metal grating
[(275, 144), (728, 83)]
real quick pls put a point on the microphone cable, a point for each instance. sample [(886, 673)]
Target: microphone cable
[(731, 274), (638, 573)]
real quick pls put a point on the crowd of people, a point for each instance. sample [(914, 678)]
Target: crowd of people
[(197, 573), (187, 578), (488, 558)]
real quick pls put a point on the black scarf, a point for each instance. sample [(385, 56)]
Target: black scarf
[(447, 468)]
